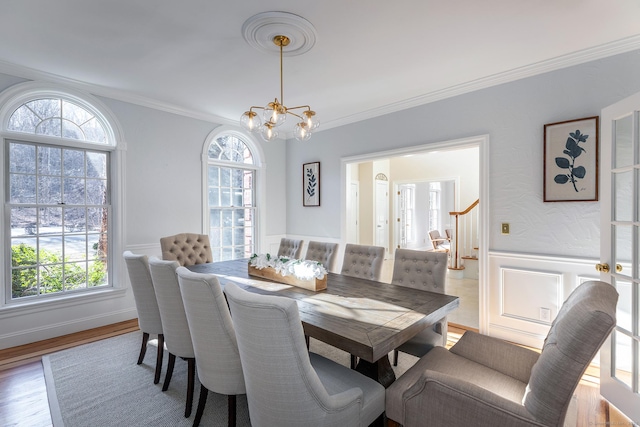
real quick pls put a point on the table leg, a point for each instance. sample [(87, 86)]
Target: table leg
[(380, 371)]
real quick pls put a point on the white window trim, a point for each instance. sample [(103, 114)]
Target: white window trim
[(258, 165), (12, 98)]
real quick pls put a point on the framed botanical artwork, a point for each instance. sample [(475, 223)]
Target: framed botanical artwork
[(571, 161), (311, 184)]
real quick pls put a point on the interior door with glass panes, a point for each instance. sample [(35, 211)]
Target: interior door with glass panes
[(619, 251)]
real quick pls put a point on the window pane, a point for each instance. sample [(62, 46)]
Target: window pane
[(622, 358), (23, 222), (22, 188), (225, 177), (74, 163), (74, 191), (237, 198), (50, 190), (50, 220), (623, 143), (214, 218), (22, 158), (93, 131), (49, 160), (75, 247), (74, 220), (71, 131), (96, 165), (46, 108), (214, 178), (97, 219), (74, 113), (96, 191), (50, 127), (225, 197), (23, 120), (623, 196), (75, 276), (214, 151), (214, 196)]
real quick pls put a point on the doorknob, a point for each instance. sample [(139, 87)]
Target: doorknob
[(603, 267), (618, 268)]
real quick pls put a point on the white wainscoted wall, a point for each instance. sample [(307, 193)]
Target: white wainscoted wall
[(523, 287)]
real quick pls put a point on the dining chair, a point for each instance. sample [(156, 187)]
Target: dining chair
[(490, 382), (177, 337), (427, 271), (214, 340), (286, 384), (186, 248), (364, 262), (144, 295), (323, 252), (290, 248)]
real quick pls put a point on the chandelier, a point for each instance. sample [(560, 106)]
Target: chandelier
[(275, 113)]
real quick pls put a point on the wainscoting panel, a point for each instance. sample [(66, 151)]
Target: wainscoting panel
[(525, 292)]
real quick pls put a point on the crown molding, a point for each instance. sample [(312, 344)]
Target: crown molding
[(598, 52), (579, 57)]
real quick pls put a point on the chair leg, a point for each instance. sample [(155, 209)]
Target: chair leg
[(191, 376), (354, 361), (202, 401), (231, 403), (395, 357), (156, 379), (170, 365), (143, 348)]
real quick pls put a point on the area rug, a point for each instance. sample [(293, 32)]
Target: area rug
[(100, 384)]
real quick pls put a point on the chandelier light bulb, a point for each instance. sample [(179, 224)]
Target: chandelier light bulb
[(274, 113), (302, 131), (250, 121), (268, 132), (311, 120)]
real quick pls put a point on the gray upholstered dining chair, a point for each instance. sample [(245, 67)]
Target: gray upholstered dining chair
[(186, 248), (147, 306), (363, 261), (323, 252), (290, 248), (177, 337), (425, 270), (484, 381), (214, 340), (439, 243), (286, 384)]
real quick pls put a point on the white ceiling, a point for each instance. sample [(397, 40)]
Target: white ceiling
[(370, 57)]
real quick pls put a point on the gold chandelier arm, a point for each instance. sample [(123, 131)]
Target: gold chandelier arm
[(300, 106), (251, 109), (294, 114)]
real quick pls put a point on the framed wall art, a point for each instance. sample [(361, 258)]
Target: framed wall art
[(571, 161), (311, 184)]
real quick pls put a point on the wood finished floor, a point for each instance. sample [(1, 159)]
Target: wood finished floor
[(23, 397)]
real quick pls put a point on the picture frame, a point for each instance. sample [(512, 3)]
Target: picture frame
[(311, 184), (571, 169)]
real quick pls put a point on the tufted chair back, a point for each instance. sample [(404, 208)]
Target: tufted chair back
[(363, 261), (424, 270), (186, 248), (324, 253), (290, 248)]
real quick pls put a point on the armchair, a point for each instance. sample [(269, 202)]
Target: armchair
[(484, 381)]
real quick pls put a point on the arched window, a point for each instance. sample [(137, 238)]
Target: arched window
[(232, 167), (58, 151)]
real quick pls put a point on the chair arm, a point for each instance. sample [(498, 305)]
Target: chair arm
[(499, 355), (441, 400)]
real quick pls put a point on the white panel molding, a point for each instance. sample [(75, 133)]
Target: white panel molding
[(535, 281)]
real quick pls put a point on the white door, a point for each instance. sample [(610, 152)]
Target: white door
[(404, 221), (619, 249), (382, 215)]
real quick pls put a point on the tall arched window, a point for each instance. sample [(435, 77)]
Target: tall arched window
[(58, 151), (232, 212)]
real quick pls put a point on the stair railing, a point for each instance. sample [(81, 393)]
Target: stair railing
[(464, 242)]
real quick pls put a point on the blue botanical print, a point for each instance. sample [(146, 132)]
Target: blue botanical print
[(573, 151)]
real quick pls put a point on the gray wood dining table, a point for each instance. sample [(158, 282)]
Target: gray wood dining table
[(365, 318)]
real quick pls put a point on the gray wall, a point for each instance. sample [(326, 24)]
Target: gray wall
[(513, 114)]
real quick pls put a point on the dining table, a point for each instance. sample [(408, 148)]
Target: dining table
[(365, 318)]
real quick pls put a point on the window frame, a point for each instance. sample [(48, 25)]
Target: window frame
[(11, 99), (259, 182)]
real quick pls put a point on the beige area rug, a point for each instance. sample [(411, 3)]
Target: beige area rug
[(99, 384)]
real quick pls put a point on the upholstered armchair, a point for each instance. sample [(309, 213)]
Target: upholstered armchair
[(323, 252), (286, 384), (484, 381), (186, 248), (425, 270), (290, 248)]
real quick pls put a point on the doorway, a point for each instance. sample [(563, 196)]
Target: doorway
[(462, 163)]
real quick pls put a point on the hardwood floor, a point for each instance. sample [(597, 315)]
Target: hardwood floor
[(24, 403)]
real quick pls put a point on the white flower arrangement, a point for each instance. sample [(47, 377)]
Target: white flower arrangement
[(299, 268)]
